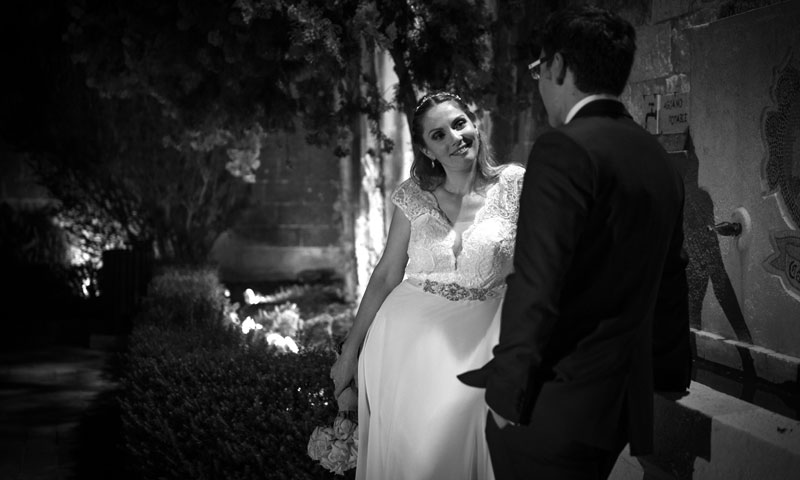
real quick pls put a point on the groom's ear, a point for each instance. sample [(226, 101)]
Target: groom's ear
[(559, 68)]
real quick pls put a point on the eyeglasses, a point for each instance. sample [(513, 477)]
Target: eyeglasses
[(535, 67)]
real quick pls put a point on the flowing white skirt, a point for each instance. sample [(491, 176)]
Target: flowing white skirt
[(416, 420)]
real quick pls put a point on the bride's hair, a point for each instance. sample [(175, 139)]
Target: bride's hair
[(429, 175)]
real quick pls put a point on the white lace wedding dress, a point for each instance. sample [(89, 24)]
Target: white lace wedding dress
[(416, 420)]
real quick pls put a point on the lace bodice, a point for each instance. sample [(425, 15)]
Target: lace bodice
[(487, 245)]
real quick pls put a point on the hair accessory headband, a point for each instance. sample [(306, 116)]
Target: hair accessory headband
[(427, 97)]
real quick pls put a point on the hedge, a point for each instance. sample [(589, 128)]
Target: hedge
[(201, 400)]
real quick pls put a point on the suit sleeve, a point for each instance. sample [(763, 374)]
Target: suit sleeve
[(557, 194), (672, 357)]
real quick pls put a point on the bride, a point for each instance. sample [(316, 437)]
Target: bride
[(427, 312)]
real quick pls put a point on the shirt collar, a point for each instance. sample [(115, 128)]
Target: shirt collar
[(591, 98)]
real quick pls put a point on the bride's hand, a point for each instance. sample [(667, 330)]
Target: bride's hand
[(343, 372)]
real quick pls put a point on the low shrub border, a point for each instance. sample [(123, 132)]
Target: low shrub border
[(201, 400)]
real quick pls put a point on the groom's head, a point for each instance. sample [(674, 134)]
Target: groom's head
[(595, 47)]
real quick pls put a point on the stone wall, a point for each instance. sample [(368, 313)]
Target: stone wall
[(715, 82), (292, 227), (704, 83), (295, 196)]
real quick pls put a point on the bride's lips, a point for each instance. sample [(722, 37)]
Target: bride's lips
[(462, 150)]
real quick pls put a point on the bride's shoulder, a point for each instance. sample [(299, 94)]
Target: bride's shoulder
[(406, 190), (511, 176), (512, 172), (409, 196)]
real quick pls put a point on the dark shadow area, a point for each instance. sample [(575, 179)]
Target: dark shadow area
[(783, 399), (705, 258), (682, 436), (50, 397), (706, 265), (99, 450)]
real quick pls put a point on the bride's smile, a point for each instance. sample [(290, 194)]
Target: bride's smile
[(450, 137)]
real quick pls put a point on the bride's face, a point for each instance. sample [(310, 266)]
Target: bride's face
[(450, 136)]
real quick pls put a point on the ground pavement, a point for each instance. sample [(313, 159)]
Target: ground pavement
[(58, 418)]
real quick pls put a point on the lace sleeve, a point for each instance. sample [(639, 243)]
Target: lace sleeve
[(512, 177), (408, 197)]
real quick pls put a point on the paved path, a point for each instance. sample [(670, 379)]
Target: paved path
[(57, 416)]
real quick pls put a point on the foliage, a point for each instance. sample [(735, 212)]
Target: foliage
[(314, 314), (200, 403), (35, 254), (30, 235), (440, 45), (218, 68), (127, 189), (95, 211), (434, 45), (201, 400), (185, 298), (203, 83)]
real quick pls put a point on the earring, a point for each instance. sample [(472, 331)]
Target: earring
[(433, 163)]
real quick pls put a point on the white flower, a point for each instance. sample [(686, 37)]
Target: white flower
[(249, 296), (250, 324), (275, 339), (291, 345), (285, 344)]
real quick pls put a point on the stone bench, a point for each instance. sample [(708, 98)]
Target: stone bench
[(710, 435)]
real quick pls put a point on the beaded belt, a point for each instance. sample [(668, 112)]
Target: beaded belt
[(455, 292)]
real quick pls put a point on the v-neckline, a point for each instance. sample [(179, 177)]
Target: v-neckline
[(442, 216)]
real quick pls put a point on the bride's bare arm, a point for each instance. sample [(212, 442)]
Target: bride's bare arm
[(387, 275)]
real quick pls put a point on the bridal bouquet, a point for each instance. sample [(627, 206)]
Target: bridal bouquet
[(335, 447)]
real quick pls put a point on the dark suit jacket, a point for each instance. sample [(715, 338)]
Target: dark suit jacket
[(596, 311)]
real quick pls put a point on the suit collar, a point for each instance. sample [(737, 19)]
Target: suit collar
[(602, 108)]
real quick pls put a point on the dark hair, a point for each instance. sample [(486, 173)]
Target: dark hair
[(428, 176), (596, 44)]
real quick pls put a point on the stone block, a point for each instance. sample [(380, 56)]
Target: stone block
[(319, 236), (707, 435), (259, 215), (297, 213), (704, 13), (653, 55), (315, 190), (681, 51), (243, 260), (715, 348), (269, 234), (667, 9), (275, 191), (775, 367)]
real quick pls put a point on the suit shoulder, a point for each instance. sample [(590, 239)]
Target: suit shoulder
[(560, 145)]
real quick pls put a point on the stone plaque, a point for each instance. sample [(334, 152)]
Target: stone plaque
[(673, 116), (650, 107)]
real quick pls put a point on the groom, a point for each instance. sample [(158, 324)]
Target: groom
[(595, 317)]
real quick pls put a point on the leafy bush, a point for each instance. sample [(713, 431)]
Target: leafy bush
[(203, 403), (201, 400), (315, 315), (185, 297)]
